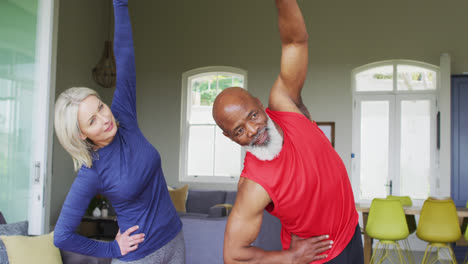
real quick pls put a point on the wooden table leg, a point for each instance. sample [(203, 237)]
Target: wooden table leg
[(367, 240)]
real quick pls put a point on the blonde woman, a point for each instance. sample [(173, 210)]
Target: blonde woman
[(113, 158)]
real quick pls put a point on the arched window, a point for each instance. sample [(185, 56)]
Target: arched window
[(205, 153), (395, 129)]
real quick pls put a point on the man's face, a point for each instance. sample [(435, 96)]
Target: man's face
[(245, 123)]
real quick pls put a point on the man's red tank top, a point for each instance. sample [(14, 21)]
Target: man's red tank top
[(308, 184)]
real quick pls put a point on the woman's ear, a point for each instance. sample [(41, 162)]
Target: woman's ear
[(83, 137)]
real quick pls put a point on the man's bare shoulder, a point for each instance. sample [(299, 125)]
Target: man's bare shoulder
[(280, 101), (250, 192)]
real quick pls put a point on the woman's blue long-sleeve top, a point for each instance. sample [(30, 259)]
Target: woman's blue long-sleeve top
[(128, 171)]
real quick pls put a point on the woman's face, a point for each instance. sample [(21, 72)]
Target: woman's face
[(96, 121)]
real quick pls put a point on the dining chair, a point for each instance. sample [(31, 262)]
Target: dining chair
[(387, 223), (438, 225), (410, 220)]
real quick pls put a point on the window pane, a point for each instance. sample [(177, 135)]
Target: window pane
[(19, 88), (201, 115), (210, 153), (226, 81), (375, 79), (200, 150), (203, 93), (227, 155), (238, 81), (204, 90), (415, 148), (374, 148), (413, 78)]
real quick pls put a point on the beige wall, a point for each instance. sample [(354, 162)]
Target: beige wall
[(172, 37), (82, 30)]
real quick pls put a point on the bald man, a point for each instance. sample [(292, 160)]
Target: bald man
[(290, 168)]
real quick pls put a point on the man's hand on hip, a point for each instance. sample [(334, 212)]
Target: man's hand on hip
[(306, 250)]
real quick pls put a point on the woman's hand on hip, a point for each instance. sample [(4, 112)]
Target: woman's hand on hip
[(128, 242)]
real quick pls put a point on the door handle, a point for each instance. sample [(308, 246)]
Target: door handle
[(390, 185), (37, 173)]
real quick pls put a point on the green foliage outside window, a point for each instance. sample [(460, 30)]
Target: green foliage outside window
[(381, 76), (415, 76), (206, 87)]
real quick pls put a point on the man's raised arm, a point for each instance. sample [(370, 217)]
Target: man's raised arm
[(244, 225), (286, 92)]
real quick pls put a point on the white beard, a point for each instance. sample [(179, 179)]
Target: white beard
[(270, 148)]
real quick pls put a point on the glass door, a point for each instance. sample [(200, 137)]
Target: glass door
[(417, 143), (373, 159), (25, 78), (394, 130), (395, 146)]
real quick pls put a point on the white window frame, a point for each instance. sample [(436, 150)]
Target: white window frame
[(185, 126), (394, 98)]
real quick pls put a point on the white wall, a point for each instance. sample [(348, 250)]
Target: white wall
[(172, 37), (82, 30)]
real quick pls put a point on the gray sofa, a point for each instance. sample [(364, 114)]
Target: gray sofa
[(21, 228), (204, 224), (208, 203)]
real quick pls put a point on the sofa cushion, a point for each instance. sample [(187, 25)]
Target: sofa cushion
[(269, 237), (231, 197), (199, 201), (178, 197), (19, 228), (38, 249), (217, 211), (204, 239), (3, 254), (14, 229)]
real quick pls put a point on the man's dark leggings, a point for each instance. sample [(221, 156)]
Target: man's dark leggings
[(353, 253)]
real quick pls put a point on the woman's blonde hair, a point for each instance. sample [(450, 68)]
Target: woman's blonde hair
[(67, 127)]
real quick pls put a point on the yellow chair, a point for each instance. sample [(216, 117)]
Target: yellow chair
[(410, 220), (387, 223), (438, 225)]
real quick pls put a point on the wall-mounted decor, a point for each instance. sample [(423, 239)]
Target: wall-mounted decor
[(328, 129)]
